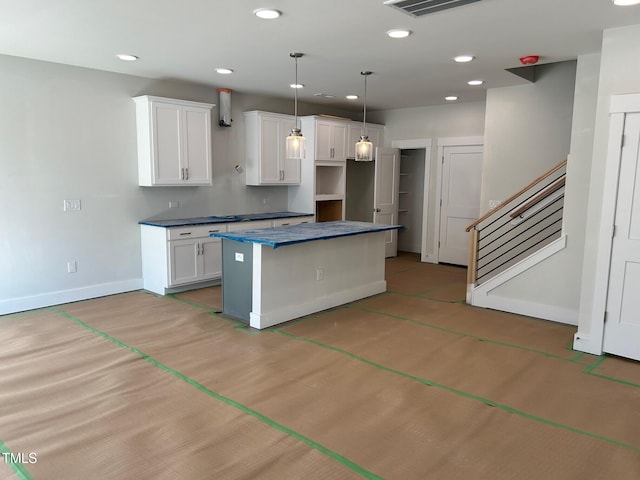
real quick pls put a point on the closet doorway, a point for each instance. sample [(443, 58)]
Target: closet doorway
[(411, 200), (412, 195)]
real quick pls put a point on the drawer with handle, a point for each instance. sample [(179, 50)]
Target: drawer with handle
[(195, 231)]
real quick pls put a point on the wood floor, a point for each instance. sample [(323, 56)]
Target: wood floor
[(409, 384)]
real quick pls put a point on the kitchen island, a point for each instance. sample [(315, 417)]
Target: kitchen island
[(271, 276)]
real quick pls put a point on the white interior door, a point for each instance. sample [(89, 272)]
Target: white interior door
[(622, 325), (460, 200), (385, 194)]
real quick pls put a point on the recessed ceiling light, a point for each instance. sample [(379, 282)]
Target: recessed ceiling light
[(463, 58), (352, 97), (297, 85), (475, 82), (127, 57), (400, 32), (267, 13), (451, 98), (324, 95), (224, 71)]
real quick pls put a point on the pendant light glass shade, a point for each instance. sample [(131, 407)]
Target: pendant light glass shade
[(294, 145), (364, 148)]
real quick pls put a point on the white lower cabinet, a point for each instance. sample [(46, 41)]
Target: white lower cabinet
[(179, 258), (194, 260)]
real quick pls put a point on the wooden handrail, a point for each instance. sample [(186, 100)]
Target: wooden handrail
[(554, 187), (515, 195)]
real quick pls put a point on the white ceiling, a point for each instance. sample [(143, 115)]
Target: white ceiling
[(188, 39)]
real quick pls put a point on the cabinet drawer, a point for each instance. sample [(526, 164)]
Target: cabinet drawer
[(239, 226), (195, 231), (283, 222)]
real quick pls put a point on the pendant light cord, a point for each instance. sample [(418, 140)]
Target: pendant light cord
[(295, 94), (364, 117)]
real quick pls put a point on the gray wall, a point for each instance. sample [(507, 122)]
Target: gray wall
[(69, 133), (454, 120), (527, 130), (535, 136)]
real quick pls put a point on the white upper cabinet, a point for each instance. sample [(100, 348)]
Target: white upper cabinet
[(331, 138), (374, 132), (265, 162), (174, 141)]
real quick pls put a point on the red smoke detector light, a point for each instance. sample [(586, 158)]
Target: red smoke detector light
[(529, 59)]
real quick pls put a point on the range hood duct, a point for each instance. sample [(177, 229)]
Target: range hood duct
[(418, 8)]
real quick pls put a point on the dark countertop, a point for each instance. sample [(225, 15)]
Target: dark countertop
[(306, 232), (185, 222)]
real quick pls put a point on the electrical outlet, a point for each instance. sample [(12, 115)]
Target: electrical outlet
[(174, 204), (239, 257), (72, 266), (494, 204), (320, 274), (266, 201)]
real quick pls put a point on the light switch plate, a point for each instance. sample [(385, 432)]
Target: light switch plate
[(72, 205)]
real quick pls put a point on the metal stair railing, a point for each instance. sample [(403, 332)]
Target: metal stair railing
[(518, 227)]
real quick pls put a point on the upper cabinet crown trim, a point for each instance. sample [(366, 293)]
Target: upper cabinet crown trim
[(175, 101)]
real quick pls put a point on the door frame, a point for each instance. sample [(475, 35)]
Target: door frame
[(590, 335), (424, 143), (442, 143)]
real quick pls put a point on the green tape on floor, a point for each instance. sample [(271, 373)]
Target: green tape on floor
[(243, 408), (577, 358), (464, 394), (19, 468), (463, 334)]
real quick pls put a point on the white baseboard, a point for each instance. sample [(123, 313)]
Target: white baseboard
[(291, 312), (530, 309), (584, 343), (21, 304)]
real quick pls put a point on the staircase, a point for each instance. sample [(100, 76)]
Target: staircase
[(505, 240)]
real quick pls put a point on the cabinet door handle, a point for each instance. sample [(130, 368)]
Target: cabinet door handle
[(202, 249), (377, 210), (185, 233), (214, 231), (187, 171), (197, 249)]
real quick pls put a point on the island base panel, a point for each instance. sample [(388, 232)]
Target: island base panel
[(297, 280), (237, 265)]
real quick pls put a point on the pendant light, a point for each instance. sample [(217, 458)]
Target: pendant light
[(294, 147), (364, 148)]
